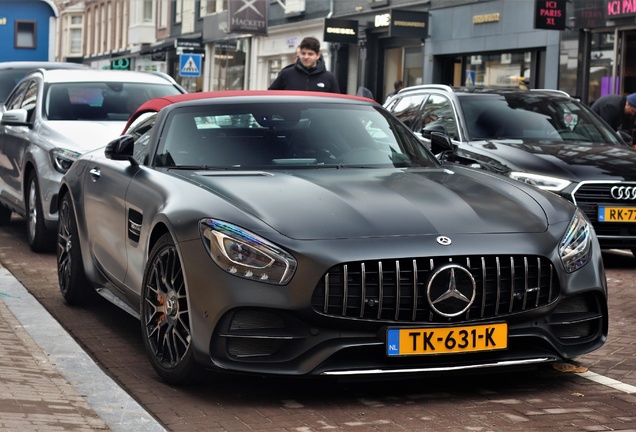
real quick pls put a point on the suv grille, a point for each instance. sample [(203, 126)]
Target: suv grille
[(394, 291), (589, 196)]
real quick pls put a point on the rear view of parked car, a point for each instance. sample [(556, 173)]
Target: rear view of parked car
[(52, 117), (541, 137)]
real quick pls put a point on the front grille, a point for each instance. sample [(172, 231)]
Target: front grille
[(394, 291), (589, 196)]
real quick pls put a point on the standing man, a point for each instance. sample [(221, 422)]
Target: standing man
[(308, 73), (616, 110), (398, 85)]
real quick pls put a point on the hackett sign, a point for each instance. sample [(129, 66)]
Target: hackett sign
[(247, 16)]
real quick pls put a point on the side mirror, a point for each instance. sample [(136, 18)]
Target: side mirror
[(429, 129), (441, 143), (16, 117), (627, 138), (121, 149)]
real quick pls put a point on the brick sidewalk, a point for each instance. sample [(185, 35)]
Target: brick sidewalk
[(47, 382)]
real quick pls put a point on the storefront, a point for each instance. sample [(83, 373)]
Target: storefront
[(603, 40), (499, 43)]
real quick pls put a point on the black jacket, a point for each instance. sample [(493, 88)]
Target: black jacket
[(611, 108), (297, 77)]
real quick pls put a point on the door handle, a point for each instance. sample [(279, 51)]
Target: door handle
[(95, 174)]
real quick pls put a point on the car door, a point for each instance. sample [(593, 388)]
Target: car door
[(107, 219), (15, 141), (105, 184)]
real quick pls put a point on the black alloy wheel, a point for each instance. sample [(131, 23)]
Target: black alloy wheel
[(165, 320), (74, 285)]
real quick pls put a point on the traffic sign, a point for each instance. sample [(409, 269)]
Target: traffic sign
[(190, 65)]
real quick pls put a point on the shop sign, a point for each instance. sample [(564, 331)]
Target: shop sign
[(341, 31), (188, 43), (247, 16), (486, 18), (620, 8), (120, 64), (589, 14), (549, 14), (408, 24)]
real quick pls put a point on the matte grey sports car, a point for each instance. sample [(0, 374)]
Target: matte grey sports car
[(301, 233)]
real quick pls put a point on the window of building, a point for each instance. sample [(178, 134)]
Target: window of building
[(147, 11), (498, 69), (208, 7), (162, 14), (178, 11), (75, 32), (25, 34)]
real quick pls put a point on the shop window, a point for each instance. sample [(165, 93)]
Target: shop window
[(25, 34), (229, 65), (498, 70)]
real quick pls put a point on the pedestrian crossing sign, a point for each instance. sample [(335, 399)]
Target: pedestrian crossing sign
[(190, 65)]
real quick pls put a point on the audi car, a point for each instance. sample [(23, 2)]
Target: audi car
[(542, 137), (312, 234)]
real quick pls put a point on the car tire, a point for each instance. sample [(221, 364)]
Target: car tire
[(74, 285), (165, 315), (5, 215), (39, 237)]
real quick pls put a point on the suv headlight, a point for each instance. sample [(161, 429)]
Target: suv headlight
[(241, 253), (62, 159), (575, 248), (552, 184)]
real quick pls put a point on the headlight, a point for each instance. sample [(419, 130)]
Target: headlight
[(241, 253), (576, 246), (62, 159), (552, 184)]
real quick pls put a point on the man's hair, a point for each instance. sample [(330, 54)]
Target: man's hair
[(398, 84), (310, 43)]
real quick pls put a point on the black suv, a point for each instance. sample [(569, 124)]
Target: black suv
[(542, 137)]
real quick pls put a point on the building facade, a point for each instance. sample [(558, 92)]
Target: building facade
[(27, 30), (243, 44)]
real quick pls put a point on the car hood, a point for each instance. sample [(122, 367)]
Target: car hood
[(574, 161), (355, 203), (83, 136)]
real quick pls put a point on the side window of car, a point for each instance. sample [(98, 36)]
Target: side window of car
[(408, 109), (140, 131), (30, 100), (15, 99), (438, 111)]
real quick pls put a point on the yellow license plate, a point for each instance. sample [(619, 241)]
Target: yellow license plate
[(616, 214), (444, 340)]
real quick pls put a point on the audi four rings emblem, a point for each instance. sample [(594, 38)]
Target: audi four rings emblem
[(623, 192)]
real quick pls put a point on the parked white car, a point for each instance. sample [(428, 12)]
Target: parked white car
[(52, 117)]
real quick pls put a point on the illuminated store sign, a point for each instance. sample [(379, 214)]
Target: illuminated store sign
[(341, 31), (549, 14)]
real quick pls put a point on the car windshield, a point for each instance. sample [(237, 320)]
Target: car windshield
[(288, 135), (531, 116), (100, 100)]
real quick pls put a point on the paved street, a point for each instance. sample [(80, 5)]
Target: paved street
[(604, 398)]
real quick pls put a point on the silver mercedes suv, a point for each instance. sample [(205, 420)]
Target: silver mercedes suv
[(50, 118)]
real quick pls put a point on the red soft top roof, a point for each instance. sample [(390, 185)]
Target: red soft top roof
[(156, 104)]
